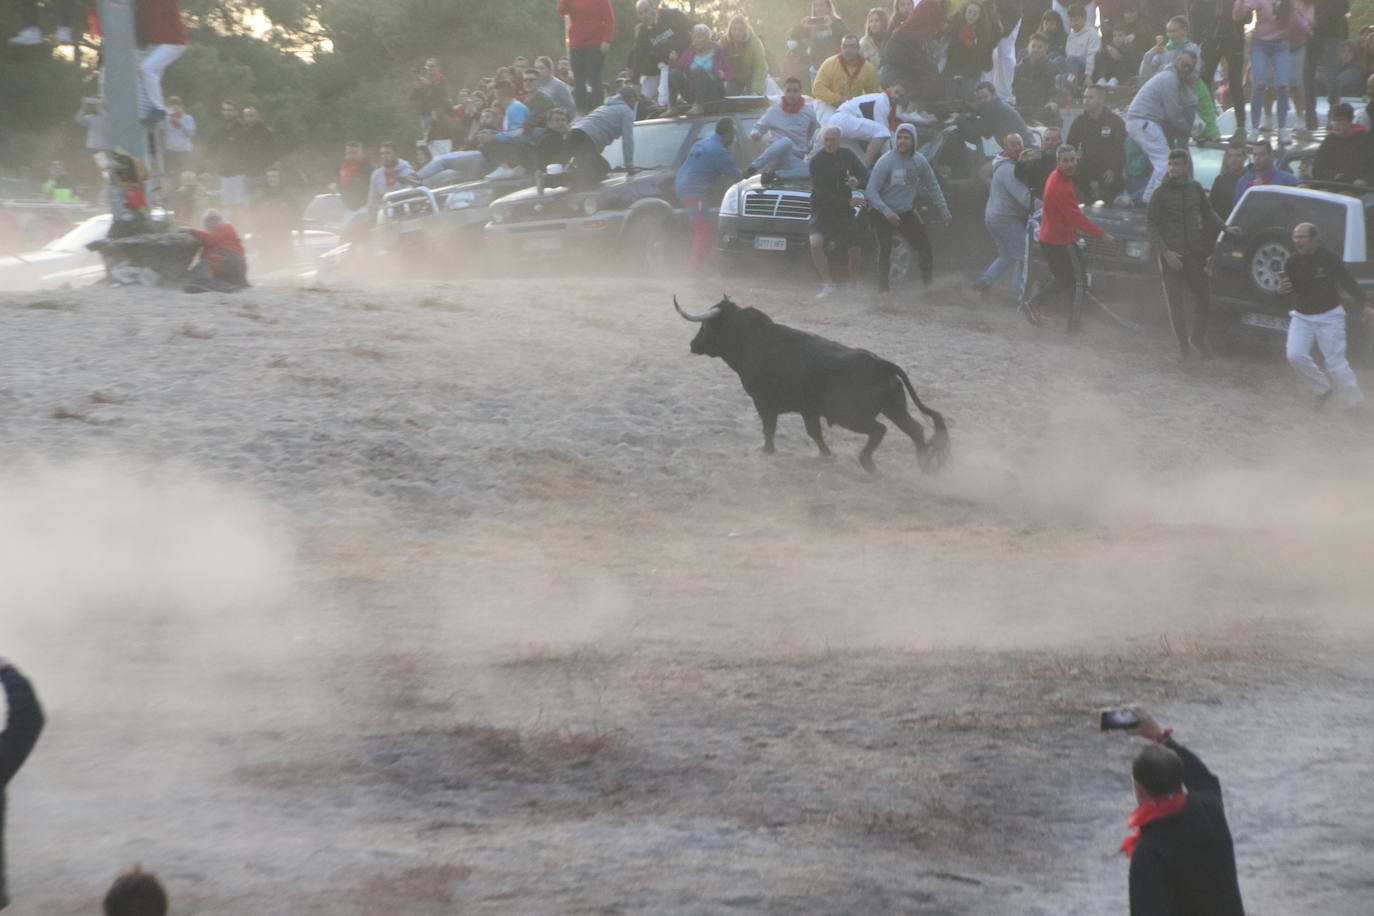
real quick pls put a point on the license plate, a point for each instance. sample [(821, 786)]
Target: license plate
[(541, 243), (1261, 320), (765, 243)]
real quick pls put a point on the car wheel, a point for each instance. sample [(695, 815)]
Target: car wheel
[(1266, 260), (652, 244)]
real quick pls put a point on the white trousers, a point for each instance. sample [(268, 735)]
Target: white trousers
[(1327, 332), (656, 86), (1149, 136), (159, 58), (1004, 65)]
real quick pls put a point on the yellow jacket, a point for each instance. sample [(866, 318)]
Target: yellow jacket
[(834, 87)]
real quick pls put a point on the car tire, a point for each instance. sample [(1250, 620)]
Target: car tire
[(1265, 259), (650, 244)]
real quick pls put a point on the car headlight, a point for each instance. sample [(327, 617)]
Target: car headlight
[(729, 205), (1137, 250), (590, 205)]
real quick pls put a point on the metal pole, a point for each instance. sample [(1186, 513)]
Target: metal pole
[(120, 91)]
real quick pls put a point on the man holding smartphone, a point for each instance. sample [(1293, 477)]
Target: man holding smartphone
[(1182, 859), (1313, 278)]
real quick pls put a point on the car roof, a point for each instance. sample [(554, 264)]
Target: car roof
[(1312, 193)]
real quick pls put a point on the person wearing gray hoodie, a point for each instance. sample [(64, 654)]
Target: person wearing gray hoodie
[(1009, 206), (898, 179), (595, 130), (1163, 108)]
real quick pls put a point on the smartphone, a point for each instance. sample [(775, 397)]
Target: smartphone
[(1118, 719)]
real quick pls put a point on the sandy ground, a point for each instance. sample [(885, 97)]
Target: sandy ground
[(483, 599)]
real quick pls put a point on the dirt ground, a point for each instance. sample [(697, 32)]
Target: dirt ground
[(482, 598)]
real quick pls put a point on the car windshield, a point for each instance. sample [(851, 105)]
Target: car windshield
[(656, 145), (1207, 165), (1258, 208), (76, 238)]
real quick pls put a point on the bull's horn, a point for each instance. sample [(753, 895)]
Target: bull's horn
[(711, 313)]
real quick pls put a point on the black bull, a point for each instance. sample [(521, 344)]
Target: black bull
[(789, 371)]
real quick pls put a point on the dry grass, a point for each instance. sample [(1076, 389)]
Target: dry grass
[(52, 305), (427, 889), (66, 413), (365, 351), (106, 397), (442, 305), (313, 380), (541, 750)]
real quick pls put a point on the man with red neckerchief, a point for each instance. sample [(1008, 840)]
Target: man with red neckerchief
[(1182, 860)]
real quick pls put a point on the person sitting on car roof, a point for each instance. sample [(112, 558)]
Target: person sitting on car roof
[(871, 119), (842, 77), (1262, 170), (1100, 135), (748, 62), (792, 125), (701, 72), (1347, 153)]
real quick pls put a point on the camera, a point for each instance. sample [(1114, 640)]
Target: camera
[(1119, 719)]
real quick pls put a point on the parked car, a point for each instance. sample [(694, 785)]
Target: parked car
[(436, 224), (770, 222), (67, 252), (1246, 268), (636, 218)]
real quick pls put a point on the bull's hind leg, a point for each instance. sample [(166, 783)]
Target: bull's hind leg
[(813, 429), (909, 425), (875, 432)]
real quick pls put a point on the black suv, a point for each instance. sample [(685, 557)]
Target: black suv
[(637, 216)]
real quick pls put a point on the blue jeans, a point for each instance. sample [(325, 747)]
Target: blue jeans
[(1269, 67), (782, 159), (1009, 234), (467, 163)]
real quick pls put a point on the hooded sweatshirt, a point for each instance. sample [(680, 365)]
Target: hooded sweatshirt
[(1165, 101), (897, 179), (611, 120), (1008, 197), (747, 59), (1157, 61)]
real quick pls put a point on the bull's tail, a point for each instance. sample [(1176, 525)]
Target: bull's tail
[(939, 442)]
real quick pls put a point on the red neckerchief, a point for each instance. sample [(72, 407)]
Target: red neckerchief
[(891, 111), (966, 36), (857, 67), (793, 109), (348, 171), (1153, 810)]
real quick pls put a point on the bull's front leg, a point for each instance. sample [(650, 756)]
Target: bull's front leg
[(770, 427), (813, 429)]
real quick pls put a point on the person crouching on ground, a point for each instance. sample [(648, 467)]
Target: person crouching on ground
[(898, 179), (223, 267), (1312, 279), (1182, 857)]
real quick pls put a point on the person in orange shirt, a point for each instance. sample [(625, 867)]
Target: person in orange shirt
[(223, 266)]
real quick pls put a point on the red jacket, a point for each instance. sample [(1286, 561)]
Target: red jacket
[(927, 19), (159, 22), (1062, 220), (214, 243), (590, 22)]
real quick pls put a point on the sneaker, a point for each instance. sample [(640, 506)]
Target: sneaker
[(1113, 82), (1031, 313), (1319, 402), (827, 290), (769, 179), (506, 171), (749, 173), (63, 35), (1284, 138), (1252, 135), (28, 36)]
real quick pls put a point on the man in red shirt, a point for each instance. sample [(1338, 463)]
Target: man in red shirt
[(591, 26), (1060, 223), (223, 266)]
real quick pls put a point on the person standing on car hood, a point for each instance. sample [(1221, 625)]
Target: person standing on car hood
[(1163, 108), (594, 131), (698, 181), (1183, 228), (898, 180), (1313, 279), (792, 124)]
